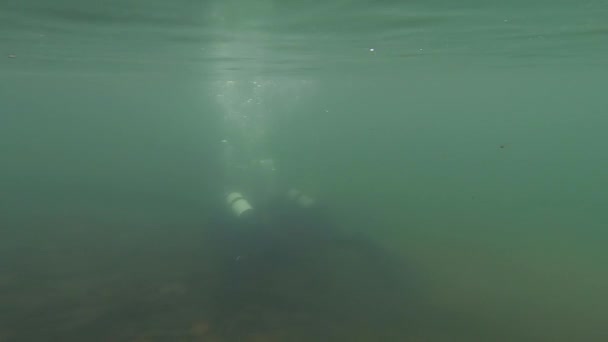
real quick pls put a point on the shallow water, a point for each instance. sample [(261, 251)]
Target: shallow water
[(463, 140)]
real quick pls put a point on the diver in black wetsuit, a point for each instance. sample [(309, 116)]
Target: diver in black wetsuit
[(285, 262)]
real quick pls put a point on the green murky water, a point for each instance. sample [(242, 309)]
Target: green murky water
[(465, 141)]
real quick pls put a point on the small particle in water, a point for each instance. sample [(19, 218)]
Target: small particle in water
[(372, 50), (502, 146), (12, 56)]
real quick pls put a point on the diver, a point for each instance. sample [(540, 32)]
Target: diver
[(253, 185), (265, 228), (281, 253)]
